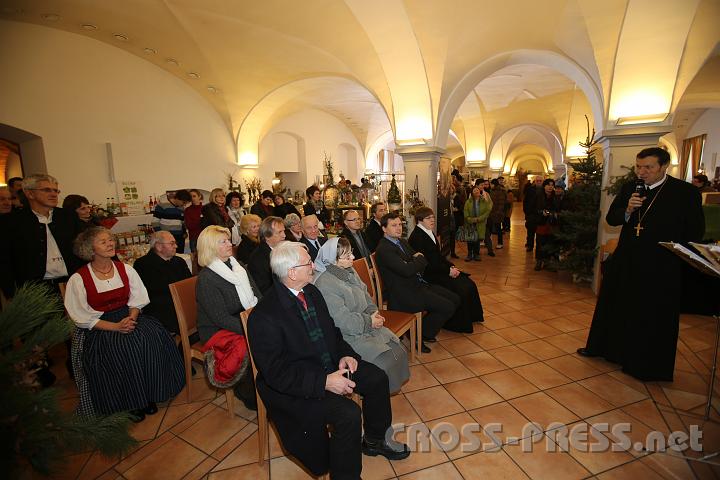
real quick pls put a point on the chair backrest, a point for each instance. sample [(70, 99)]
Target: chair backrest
[(244, 319), (378, 280), (183, 295), (363, 270)]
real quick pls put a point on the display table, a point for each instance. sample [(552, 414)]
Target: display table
[(129, 223)]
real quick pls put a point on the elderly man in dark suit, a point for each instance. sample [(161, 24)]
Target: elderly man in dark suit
[(272, 232), (373, 231), (352, 231), (305, 371), (311, 235), (407, 290), (440, 271)]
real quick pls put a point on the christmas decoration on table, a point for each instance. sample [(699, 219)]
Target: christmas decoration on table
[(412, 198), (36, 434), (394, 199), (331, 193), (253, 187), (575, 246)]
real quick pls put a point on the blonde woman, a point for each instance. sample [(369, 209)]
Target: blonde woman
[(249, 236), (215, 212), (224, 289)]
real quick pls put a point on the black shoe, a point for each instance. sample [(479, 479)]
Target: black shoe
[(391, 451), (151, 409), (429, 340), (138, 415), (586, 353), (491, 254)]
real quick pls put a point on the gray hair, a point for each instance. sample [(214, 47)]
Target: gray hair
[(291, 219), (157, 236), (31, 181), (284, 256), (83, 244), (266, 227)]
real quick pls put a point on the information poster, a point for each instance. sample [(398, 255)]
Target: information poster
[(130, 194)]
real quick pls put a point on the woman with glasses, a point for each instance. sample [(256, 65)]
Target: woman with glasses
[(355, 314), (224, 289)]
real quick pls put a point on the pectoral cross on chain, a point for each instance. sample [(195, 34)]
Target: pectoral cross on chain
[(637, 228)]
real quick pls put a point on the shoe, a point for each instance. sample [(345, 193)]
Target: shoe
[(491, 254), (424, 348), (391, 450), (138, 415), (584, 352), (499, 247), (429, 340), (452, 255), (151, 409)]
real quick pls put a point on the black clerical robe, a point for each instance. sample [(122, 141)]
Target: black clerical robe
[(636, 318)]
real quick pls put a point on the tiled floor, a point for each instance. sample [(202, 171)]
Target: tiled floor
[(520, 366)]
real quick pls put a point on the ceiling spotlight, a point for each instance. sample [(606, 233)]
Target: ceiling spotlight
[(50, 17), (172, 61), (212, 89), (150, 51), (193, 75), (88, 26), (120, 37)]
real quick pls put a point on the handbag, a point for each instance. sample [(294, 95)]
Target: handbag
[(467, 233)]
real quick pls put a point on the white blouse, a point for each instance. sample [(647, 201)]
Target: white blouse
[(76, 302)]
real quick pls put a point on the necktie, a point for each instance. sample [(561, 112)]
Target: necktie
[(301, 297), (317, 244)]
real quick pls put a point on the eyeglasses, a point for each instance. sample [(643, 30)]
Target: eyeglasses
[(303, 265), (47, 190), (352, 219)]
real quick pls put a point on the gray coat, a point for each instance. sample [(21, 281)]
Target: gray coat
[(351, 307), (218, 304)]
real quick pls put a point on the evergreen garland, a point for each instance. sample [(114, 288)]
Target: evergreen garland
[(34, 430)]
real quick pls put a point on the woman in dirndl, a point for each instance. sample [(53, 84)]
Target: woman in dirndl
[(123, 360)]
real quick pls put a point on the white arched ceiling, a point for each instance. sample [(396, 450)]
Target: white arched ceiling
[(522, 152), (527, 134), (384, 141)]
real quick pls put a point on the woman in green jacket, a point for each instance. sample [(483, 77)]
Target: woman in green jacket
[(477, 210)]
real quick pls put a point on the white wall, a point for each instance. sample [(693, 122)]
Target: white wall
[(709, 123), (313, 131), (77, 94)]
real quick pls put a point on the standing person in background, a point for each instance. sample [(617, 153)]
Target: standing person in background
[(373, 231), (497, 214), (477, 209), (215, 213), (508, 204), (263, 208), (233, 200), (457, 205), (487, 240), (193, 218), (171, 218), (532, 189), (5, 201), (283, 208), (315, 205), (81, 206), (545, 218)]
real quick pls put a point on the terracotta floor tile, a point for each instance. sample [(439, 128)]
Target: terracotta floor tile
[(540, 463), (515, 335), (247, 472), (434, 402), (200, 391), (210, 432), (579, 400), (541, 329), (287, 469), (565, 342), (437, 353), (425, 451), (420, 377), (647, 412), (402, 411), (542, 409), (573, 368), (156, 465), (580, 443), (457, 435), (612, 390), (519, 318), (460, 346), (505, 420), (473, 393), (244, 454), (499, 308), (541, 350), (376, 468), (444, 471), (202, 470), (508, 384), (143, 452), (542, 375), (684, 400), (630, 471), (236, 440), (605, 423), (495, 322), (482, 363), (450, 370), (563, 324), (596, 362), (538, 315), (489, 465), (512, 356), (668, 467)]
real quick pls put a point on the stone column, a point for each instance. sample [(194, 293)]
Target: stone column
[(423, 162)]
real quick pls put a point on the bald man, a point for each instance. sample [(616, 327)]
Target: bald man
[(311, 235)]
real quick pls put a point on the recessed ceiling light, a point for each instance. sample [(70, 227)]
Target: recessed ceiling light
[(50, 17), (88, 26), (120, 37), (172, 61), (212, 89), (149, 51), (193, 75)]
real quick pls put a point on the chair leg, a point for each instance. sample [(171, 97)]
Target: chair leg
[(262, 432), (413, 339), (230, 401), (188, 378), (418, 334)]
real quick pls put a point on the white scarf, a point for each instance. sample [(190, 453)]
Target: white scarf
[(238, 277)]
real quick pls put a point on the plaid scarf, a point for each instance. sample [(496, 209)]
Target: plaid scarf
[(315, 333)]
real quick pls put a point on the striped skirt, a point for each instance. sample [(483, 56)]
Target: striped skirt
[(120, 372)]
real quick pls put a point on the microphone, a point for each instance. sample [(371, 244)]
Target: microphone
[(640, 187)]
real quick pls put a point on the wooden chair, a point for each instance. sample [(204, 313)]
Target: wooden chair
[(397, 322), (183, 295)]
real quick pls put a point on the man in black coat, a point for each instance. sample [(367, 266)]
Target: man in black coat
[(637, 314), (306, 369), (158, 269), (440, 271), (401, 269), (311, 235), (272, 232), (373, 231), (352, 231), (532, 190)]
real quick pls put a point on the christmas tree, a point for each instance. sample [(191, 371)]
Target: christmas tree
[(34, 432), (576, 244)]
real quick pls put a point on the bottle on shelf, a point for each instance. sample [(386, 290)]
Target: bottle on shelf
[(107, 204)]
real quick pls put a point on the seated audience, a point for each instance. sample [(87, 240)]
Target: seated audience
[(353, 232), (215, 212), (159, 268), (306, 369), (193, 217), (373, 231), (272, 232), (224, 289), (355, 313), (702, 183), (293, 228), (440, 271), (5, 201), (249, 237), (233, 201), (172, 216), (311, 234), (81, 206), (122, 359), (315, 205), (401, 269), (283, 208), (263, 208)]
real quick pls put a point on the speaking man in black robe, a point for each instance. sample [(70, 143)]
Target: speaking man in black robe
[(636, 318)]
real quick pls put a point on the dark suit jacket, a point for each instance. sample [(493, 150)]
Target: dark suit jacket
[(311, 248), (399, 270), (261, 211), (259, 267), (291, 378), (23, 246), (373, 234), (211, 215), (438, 267), (245, 248), (355, 248), (323, 216)]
